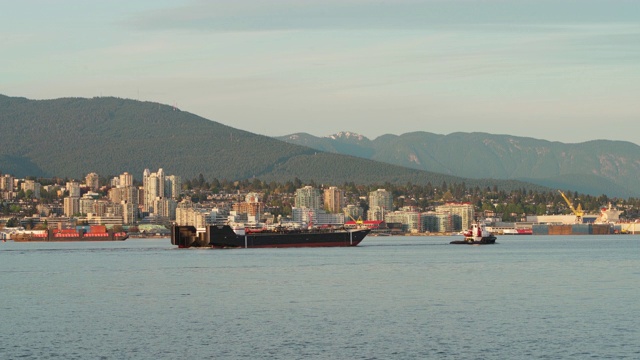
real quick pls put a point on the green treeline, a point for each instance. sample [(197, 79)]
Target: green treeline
[(511, 204)]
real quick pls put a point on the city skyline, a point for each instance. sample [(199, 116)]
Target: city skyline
[(542, 69)]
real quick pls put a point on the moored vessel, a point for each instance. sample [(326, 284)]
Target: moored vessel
[(95, 233), (476, 235), (527, 231), (224, 236)]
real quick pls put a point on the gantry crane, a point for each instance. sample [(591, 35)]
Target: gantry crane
[(577, 211)]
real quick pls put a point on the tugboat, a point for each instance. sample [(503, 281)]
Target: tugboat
[(477, 235)]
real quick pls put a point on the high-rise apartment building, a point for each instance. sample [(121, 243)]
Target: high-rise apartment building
[(153, 185), (307, 197), (6, 183), (92, 180), (380, 202), (158, 186), (462, 214), (129, 212), (125, 179), (173, 186), (381, 198), (333, 200), (71, 205), (165, 208), (74, 189)]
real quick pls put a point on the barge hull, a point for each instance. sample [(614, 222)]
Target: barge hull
[(95, 233), (225, 237), (572, 229)]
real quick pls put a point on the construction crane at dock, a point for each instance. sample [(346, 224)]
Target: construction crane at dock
[(577, 211), (358, 222)]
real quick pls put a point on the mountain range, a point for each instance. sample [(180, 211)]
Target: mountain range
[(594, 167), (70, 137)]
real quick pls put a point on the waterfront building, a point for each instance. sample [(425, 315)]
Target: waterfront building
[(552, 219), (444, 222), (429, 222), (417, 222), (375, 213), (109, 220), (397, 217), (307, 197), (410, 220), (333, 200), (316, 217), (61, 222), (462, 214)]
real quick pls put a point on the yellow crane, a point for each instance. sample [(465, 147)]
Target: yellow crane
[(577, 211), (358, 222)]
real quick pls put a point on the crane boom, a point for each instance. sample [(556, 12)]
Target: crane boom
[(578, 212), (358, 222)]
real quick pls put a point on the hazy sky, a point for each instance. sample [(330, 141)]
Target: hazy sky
[(561, 70)]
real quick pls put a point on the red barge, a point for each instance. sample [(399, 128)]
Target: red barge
[(224, 236), (95, 233)]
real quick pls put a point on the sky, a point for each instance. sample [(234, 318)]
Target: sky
[(561, 70)]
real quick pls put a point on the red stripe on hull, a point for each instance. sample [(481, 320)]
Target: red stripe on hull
[(327, 244)]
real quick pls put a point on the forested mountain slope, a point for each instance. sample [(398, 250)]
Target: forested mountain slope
[(595, 167), (70, 137)]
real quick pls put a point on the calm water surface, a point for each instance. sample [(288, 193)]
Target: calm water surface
[(546, 297)]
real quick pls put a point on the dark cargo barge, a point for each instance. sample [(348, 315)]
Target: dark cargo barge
[(216, 236)]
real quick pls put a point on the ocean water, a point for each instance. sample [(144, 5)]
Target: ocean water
[(527, 297)]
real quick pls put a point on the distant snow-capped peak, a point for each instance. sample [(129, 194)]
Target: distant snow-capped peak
[(347, 135)]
